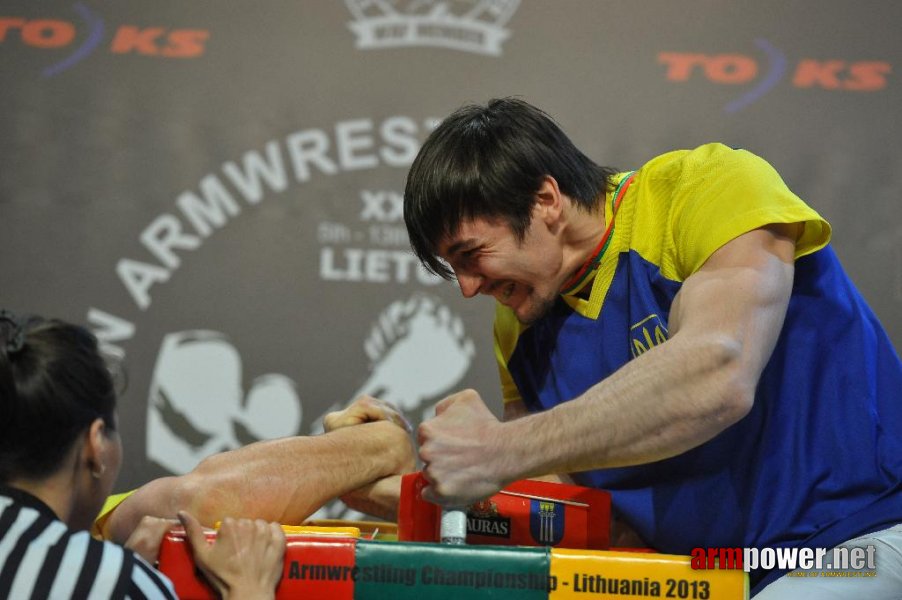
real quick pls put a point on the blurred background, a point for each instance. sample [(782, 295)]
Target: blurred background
[(215, 188)]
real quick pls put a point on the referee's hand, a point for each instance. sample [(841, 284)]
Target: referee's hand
[(245, 561), (147, 537)]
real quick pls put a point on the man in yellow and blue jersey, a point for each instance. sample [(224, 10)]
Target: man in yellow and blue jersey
[(681, 335)]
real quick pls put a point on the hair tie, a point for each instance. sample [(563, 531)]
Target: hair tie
[(17, 338)]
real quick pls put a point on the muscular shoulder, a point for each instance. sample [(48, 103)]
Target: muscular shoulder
[(690, 167), (700, 199)]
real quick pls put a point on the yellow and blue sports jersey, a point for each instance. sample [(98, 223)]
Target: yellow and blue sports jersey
[(818, 460)]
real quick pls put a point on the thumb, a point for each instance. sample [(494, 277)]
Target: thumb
[(194, 532), (201, 551)]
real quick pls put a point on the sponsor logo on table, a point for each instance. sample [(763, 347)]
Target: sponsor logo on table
[(483, 519)]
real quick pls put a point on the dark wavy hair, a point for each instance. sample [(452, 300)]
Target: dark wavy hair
[(488, 161), (53, 384)]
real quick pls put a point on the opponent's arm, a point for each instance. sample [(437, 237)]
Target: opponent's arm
[(283, 480), (379, 498), (724, 324)]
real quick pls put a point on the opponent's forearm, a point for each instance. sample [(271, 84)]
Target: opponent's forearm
[(379, 499), (283, 480), (287, 480)]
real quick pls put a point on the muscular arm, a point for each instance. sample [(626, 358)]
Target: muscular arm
[(724, 324), (283, 480), (515, 410)]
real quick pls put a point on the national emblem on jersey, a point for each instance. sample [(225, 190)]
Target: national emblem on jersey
[(646, 334)]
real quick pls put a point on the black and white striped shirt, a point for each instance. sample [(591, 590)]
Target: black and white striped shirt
[(40, 557)]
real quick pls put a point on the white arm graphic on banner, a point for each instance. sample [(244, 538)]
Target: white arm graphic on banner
[(418, 350)]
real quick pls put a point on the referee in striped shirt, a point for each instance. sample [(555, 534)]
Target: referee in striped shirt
[(42, 558), (59, 457)]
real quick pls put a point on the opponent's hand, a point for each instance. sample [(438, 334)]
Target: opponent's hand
[(147, 537), (365, 409), (246, 559), (461, 448)]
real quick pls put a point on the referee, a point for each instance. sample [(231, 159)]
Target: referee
[(60, 454), (42, 558)]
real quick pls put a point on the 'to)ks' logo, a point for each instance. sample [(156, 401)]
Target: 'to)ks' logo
[(90, 34), (740, 69)]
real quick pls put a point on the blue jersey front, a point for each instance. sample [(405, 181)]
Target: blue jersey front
[(818, 459)]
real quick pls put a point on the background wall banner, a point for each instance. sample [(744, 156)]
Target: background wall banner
[(216, 191)]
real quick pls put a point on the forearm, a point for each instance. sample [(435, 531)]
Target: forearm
[(282, 480), (668, 400), (289, 479), (379, 499)]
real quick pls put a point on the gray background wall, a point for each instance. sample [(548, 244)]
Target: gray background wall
[(214, 187)]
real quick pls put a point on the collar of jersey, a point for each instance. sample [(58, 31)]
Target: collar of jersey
[(603, 273)]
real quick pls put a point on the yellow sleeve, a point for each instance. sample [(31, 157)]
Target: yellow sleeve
[(723, 193), (112, 502), (507, 330)]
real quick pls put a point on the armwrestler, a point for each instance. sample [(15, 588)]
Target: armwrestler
[(283, 480)]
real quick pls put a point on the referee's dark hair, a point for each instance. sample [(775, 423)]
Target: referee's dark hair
[(53, 384), (488, 161)]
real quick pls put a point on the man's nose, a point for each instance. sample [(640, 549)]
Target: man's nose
[(469, 283)]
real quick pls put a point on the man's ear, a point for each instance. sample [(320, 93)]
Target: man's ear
[(549, 201)]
